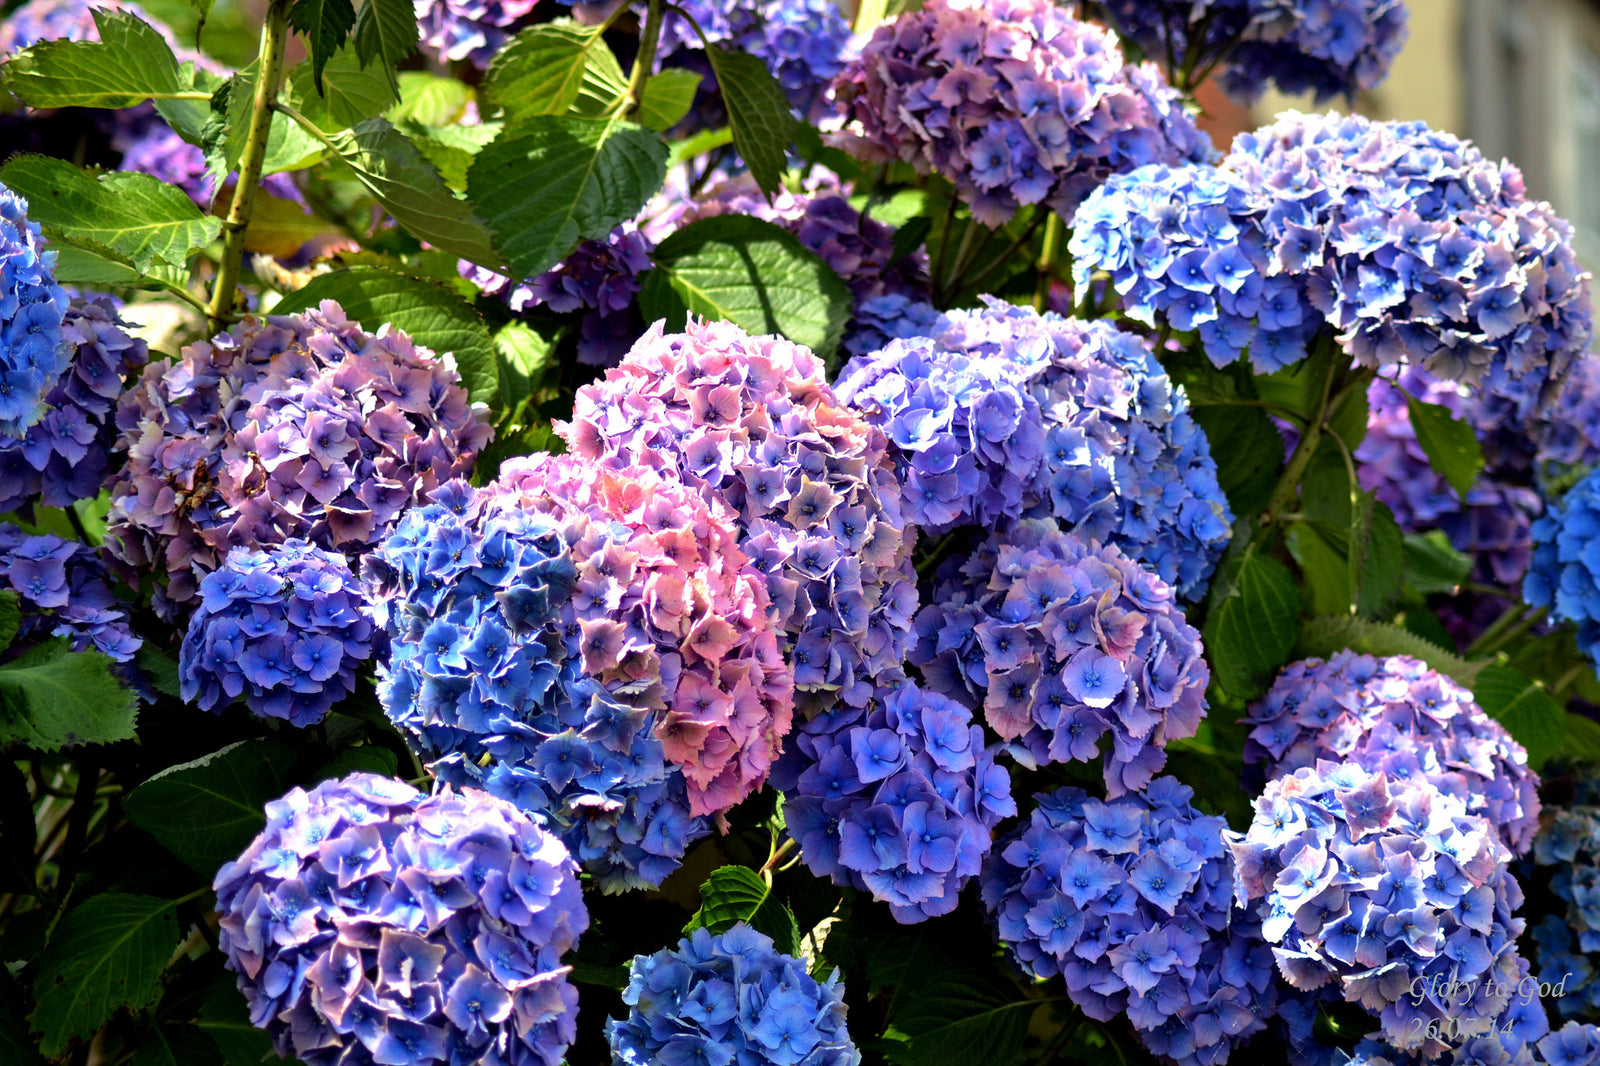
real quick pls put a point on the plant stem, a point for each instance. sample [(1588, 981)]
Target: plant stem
[(1003, 258), (646, 59), (1322, 363), (778, 855), (1487, 644), (1049, 255)]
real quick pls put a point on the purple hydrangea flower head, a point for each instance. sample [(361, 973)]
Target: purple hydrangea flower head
[(285, 628), (899, 799), (1327, 47), (1062, 641), (296, 426), (730, 997), (63, 457), (1003, 412), (369, 924), (1397, 716), (752, 423), (34, 350), (63, 590), (1574, 1044), (1015, 101), (590, 644), (857, 247), (1129, 900), (53, 20), (470, 30), (1565, 572), (1568, 434), (1373, 885)]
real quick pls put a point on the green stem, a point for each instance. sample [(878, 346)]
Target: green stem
[(1507, 618), (1004, 257), (269, 79), (1486, 645), (1568, 678), (646, 59), (776, 858), (1049, 257), (1322, 364), (944, 245)]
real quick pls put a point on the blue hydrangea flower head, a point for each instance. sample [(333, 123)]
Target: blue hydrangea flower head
[(1014, 101), (1129, 900), (1568, 434), (34, 349), (899, 799), (285, 628), (1366, 884), (1568, 941), (1003, 413), (470, 30), (370, 924), (1061, 641), (730, 998), (1397, 716), (1326, 47), (1565, 572), (63, 590), (64, 456)]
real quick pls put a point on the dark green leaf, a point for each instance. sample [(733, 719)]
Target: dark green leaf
[(1252, 626), (1528, 712), (365, 759), (908, 238), (386, 31), (1583, 738), (430, 314), (1349, 418), (176, 1045), (107, 953), (134, 215), (1433, 564), (54, 697), (207, 811), (17, 1046), (758, 112), (1451, 446), (1326, 636), (10, 618), (541, 71), (547, 182), (325, 24), (752, 273), (954, 1020), (226, 1020), (410, 189), (1248, 451), (130, 62), (667, 98), (613, 977), (346, 95), (161, 669), (1381, 548), (735, 894)]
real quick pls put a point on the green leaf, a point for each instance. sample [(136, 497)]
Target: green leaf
[(289, 146), (541, 71), (10, 618), (612, 977), (430, 314), (1432, 563), (1326, 636), (1252, 625), (106, 954), (87, 263), (451, 148), (526, 357), (1248, 451), (735, 894), (604, 86), (758, 112), (175, 1045), (161, 669), (325, 24), (366, 759), (953, 1020), (207, 811), (386, 30), (54, 697), (429, 99), (1583, 738), (412, 191), (17, 1046), (225, 1018), (1529, 713), (1451, 446), (547, 182), (667, 98), (908, 237), (130, 63), (1349, 418), (752, 273), (134, 215), (346, 95)]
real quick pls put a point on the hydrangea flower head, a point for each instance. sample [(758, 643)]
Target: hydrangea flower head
[(52, 20), (63, 457), (1003, 412), (1015, 101), (471, 30), (1327, 47), (285, 628), (1568, 434), (730, 997), (1062, 641), (899, 799), (296, 426), (1129, 900), (35, 350), (371, 924), (752, 424), (1565, 572), (1397, 716), (1567, 943), (1374, 885), (63, 591)]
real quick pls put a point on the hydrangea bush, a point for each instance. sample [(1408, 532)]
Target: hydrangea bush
[(1564, 575)]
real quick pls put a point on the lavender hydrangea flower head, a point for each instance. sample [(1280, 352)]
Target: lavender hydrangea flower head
[(371, 924), (1567, 943), (1565, 572), (471, 30), (1130, 900), (1327, 47), (1062, 641), (297, 426), (1397, 716), (285, 628), (1015, 101), (899, 799), (1417, 248), (1373, 886), (752, 423), (857, 247), (730, 997), (63, 591), (1004, 412), (35, 351), (64, 456)]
